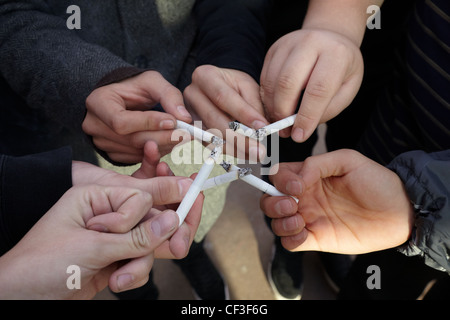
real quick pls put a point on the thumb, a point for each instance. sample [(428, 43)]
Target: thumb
[(141, 240), (331, 164)]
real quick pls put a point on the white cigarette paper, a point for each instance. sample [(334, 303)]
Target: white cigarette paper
[(194, 190), (257, 182), (199, 133), (235, 126), (262, 185), (263, 132), (221, 179), (242, 129), (275, 127)]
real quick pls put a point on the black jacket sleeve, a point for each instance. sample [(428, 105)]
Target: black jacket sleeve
[(427, 181), (29, 187), (232, 34)]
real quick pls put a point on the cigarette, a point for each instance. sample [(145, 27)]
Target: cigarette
[(225, 178), (275, 127), (256, 182), (221, 179), (235, 125), (200, 134), (195, 188), (242, 129)]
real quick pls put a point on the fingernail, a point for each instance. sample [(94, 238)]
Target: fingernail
[(124, 281), (167, 124), (298, 135), (258, 124), (164, 223), (184, 185), (294, 188), (182, 110)]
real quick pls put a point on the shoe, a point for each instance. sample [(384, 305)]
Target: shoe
[(285, 273), (336, 268), (206, 281)]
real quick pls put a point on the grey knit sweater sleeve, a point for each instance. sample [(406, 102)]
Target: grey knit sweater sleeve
[(48, 64)]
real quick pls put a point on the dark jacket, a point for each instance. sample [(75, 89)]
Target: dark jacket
[(47, 70), (29, 187), (426, 177)]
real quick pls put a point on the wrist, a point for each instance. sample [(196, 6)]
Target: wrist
[(348, 18), (13, 277), (84, 173)]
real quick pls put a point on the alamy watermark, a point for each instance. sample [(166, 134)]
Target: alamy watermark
[(374, 20), (74, 20), (74, 280), (374, 280)]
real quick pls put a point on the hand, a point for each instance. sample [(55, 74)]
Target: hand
[(347, 204), (219, 95), (326, 65), (67, 235), (164, 187), (166, 190), (120, 121)]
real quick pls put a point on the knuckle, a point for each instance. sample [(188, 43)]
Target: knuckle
[(286, 83), (308, 162), (119, 125), (202, 71), (266, 89), (151, 75), (340, 49), (139, 237), (135, 141), (86, 124), (307, 117), (145, 196), (90, 100), (350, 153), (317, 89), (163, 192), (220, 96), (170, 90), (188, 91)]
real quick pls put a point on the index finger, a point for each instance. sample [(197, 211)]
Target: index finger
[(244, 106), (323, 84), (164, 190)]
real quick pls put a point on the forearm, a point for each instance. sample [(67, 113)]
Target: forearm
[(347, 17), (14, 278)]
